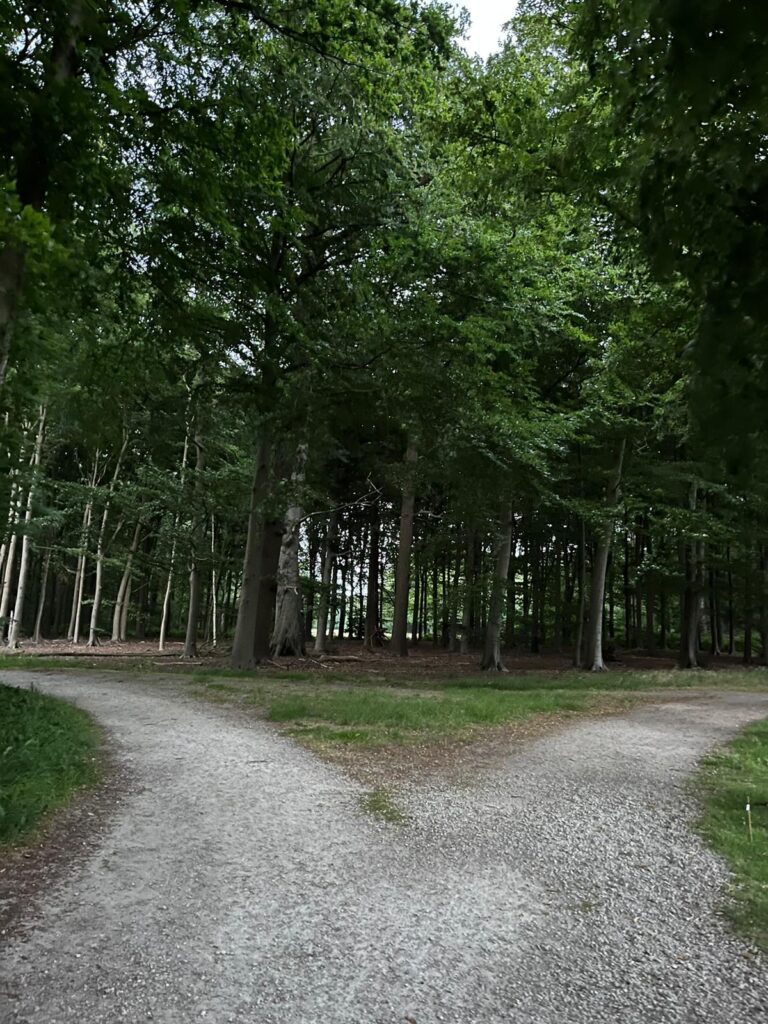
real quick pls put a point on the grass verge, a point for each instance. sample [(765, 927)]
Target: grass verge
[(375, 717), (731, 778), (48, 750)]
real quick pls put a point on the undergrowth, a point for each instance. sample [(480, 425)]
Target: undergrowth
[(48, 750)]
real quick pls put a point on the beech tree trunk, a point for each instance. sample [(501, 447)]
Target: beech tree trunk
[(119, 614), (689, 602), (77, 598), (581, 612), (172, 561), (37, 634), (21, 589), (198, 539), (10, 561), (403, 568), (600, 566), (97, 591), (288, 633), (469, 594), (255, 612), (372, 596), (327, 574), (491, 660)]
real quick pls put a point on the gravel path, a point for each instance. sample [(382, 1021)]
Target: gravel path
[(238, 881)]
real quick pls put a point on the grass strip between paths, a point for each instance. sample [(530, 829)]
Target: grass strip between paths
[(731, 778), (48, 750)]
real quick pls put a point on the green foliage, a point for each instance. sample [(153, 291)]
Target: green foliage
[(48, 751)]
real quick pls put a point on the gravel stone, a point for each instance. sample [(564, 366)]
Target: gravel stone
[(239, 881)]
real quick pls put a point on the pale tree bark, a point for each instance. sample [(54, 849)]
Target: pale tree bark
[(120, 612), (21, 589), (288, 632), (10, 562), (403, 568), (214, 587), (92, 632), (172, 561), (37, 634), (600, 566), (198, 536), (491, 660), (73, 632), (327, 575)]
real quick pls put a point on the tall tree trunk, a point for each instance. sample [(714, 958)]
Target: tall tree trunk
[(37, 633), (21, 589), (312, 552), (372, 596), (597, 590), (491, 660), (10, 565), (288, 633), (405, 543), (469, 593), (121, 602), (92, 632), (327, 574), (689, 601), (748, 609), (581, 612), (731, 618), (255, 613), (172, 561), (214, 587), (198, 538), (714, 615)]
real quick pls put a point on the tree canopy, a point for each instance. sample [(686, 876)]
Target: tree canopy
[(315, 329)]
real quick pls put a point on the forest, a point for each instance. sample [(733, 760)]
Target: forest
[(316, 331)]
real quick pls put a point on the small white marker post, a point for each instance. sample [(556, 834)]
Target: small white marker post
[(749, 820)]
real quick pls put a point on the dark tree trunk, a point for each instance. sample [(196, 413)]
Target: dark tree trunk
[(690, 597), (255, 613), (599, 567), (469, 593), (372, 597), (581, 611), (198, 544), (328, 573)]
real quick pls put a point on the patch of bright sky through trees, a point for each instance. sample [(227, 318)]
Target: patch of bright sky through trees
[(488, 17)]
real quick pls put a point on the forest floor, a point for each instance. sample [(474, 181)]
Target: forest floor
[(233, 876)]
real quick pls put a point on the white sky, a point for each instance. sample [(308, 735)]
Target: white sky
[(487, 18)]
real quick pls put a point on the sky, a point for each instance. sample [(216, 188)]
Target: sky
[(487, 18)]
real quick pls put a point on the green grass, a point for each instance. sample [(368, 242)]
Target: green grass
[(381, 803), (48, 750), (729, 779), (372, 717)]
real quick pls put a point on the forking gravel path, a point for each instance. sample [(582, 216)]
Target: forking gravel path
[(239, 881)]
